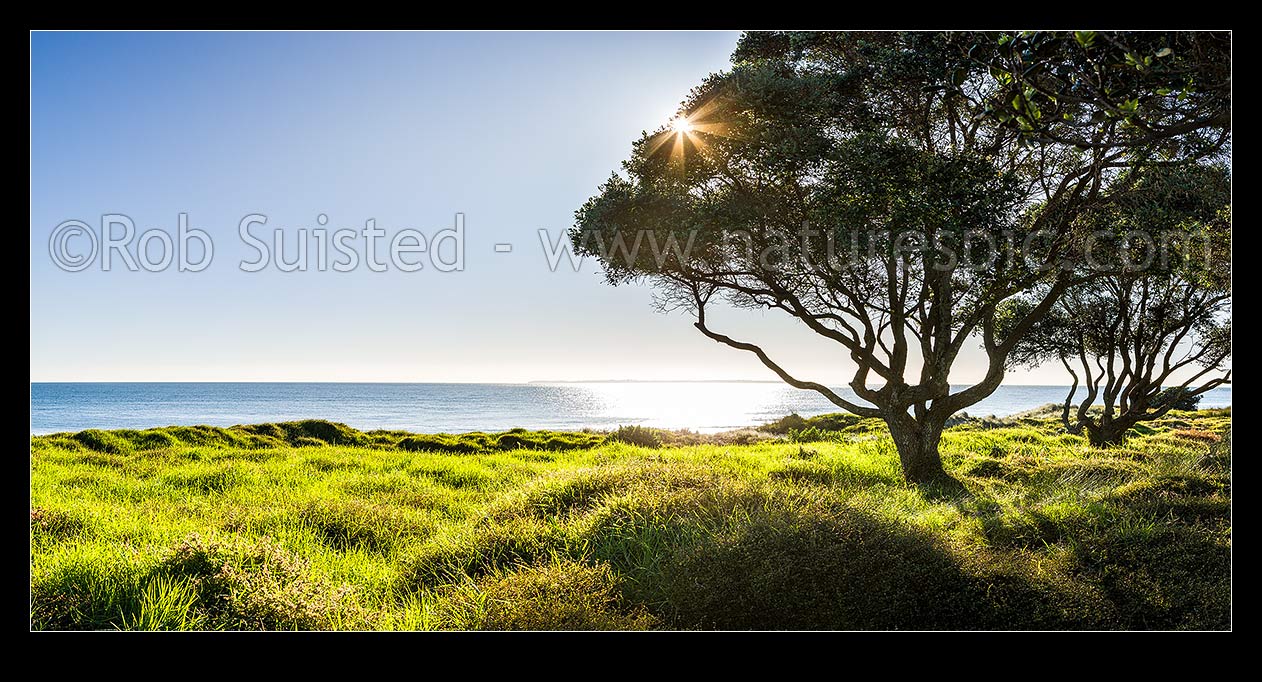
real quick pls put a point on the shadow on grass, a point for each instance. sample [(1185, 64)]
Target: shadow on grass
[(851, 570), (945, 488)]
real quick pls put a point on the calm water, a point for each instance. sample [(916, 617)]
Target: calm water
[(430, 408)]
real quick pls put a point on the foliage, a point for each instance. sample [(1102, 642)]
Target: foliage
[(638, 435), (1125, 330), (1178, 398), (839, 178)]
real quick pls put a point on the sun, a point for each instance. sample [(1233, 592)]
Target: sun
[(687, 133)]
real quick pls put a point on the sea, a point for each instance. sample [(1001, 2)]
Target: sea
[(460, 407)]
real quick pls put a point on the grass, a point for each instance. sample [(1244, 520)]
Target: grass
[(804, 524)]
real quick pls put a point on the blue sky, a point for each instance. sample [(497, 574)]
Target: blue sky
[(512, 130)]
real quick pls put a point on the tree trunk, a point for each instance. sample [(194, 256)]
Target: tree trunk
[(917, 443), (1104, 437), (1070, 427), (1106, 434)]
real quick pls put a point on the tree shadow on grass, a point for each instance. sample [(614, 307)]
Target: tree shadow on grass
[(849, 570), (945, 488)]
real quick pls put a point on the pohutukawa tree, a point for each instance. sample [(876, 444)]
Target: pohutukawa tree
[(1155, 331), (874, 187)]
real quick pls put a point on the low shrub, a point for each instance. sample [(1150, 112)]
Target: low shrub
[(641, 436)]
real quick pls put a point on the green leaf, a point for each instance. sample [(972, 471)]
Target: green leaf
[(1164, 52), (1085, 38)]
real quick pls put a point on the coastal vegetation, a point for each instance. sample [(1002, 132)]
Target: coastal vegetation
[(918, 201), (1143, 341), (860, 183), (804, 523)]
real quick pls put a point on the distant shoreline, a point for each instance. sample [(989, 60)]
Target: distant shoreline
[(539, 382), (432, 408)]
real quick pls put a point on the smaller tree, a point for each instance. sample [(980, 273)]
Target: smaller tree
[(1161, 311)]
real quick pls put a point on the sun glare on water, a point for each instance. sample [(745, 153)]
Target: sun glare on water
[(702, 407)]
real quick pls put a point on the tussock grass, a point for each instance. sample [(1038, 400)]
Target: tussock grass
[(312, 525)]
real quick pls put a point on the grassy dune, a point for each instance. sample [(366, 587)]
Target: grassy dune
[(312, 525)]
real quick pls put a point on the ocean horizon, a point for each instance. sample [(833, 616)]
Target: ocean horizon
[(704, 406)]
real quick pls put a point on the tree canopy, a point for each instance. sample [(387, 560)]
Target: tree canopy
[(874, 187)]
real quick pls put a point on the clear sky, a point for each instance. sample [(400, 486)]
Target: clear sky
[(512, 130)]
